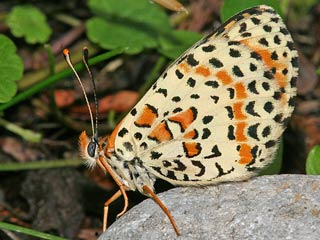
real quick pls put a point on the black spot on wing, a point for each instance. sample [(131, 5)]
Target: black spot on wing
[(191, 60), (155, 155), (122, 132), (179, 74), (243, 27), (231, 135), (252, 87), (138, 136), (215, 62), (250, 109), (207, 119), (162, 91), (206, 133), (253, 67), (176, 99), (215, 152), (230, 112), (194, 96), (215, 99), (237, 71), (234, 53), (213, 84), (268, 107), (133, 112), (270, 143), (231, 93), (252, 131), (199, 165), (171, 175), (274, 56), (180, 166), (191, 82), (267, 28), (221, 172), (208, 48), (266, 131), (264, 42), (128, 146)]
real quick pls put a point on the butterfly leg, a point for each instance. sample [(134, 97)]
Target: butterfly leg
[(106, 208), (149, 192), (122, 191)]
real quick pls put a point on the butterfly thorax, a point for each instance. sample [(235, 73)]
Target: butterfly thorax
[(130, 172)]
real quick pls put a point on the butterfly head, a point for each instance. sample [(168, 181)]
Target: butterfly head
[(89, 149)]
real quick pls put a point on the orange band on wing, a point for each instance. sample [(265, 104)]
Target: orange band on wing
[(184, 118), (203, 71), (161, 133), (184, 67), (191, 134), (240, 91), (240, 136), (191, 149), (281, 79), (147, 117), (224, 77), (237, 109), (245, 154)]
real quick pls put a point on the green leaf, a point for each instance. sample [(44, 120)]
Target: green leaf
[(174, 45), (132, 24), (11, 69), (313, 161), (30, 232), (231, 7), (29, 22)]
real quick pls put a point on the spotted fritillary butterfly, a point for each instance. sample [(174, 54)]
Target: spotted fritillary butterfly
[(216, 114)]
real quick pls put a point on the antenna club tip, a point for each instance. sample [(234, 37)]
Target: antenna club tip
[(66, 52), (85, 53)]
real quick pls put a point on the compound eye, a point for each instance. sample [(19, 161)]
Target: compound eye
[(92, 146)]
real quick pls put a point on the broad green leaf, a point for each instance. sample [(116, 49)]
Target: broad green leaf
[(11, 69), (132, 24), (313, 161), (179, 41), (232, 7), (29, 22)]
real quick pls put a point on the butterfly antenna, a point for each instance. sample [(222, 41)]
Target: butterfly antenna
[(96, 103), (67, 57)]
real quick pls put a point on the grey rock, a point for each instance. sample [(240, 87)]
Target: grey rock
[(267, 207)]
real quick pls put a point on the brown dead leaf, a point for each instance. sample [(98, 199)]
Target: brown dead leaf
[(307, 76), (201, 14), (172, 5), (18, 150), (309, 126), (64, 98), (120, 102)]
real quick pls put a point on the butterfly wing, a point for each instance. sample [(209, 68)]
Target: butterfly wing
[(217, 113)]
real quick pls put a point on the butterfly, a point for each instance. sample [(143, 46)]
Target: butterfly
[(216, 114)]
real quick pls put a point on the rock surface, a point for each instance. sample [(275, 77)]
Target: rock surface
[(267, 207)]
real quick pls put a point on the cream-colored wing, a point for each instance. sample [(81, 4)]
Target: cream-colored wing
[(217, 113)]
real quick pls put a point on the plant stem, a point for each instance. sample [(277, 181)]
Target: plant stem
[(55, 78), (26, 134)]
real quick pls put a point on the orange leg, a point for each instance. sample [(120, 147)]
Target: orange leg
[(122, 191), (149, 191), (106, 208)]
